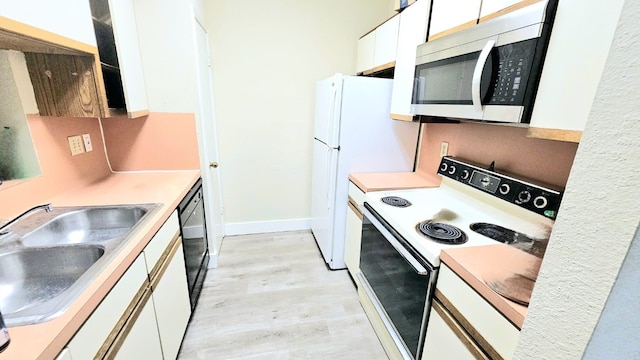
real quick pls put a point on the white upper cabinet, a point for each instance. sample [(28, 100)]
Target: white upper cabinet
[(413, 32), (117, 36), (580, 41), (386, 42), (366, 46), (452, 15), (377, 49), (126, 35), (69, 18), (491, 7)]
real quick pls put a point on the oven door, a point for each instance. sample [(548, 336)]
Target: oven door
[(398, 281)]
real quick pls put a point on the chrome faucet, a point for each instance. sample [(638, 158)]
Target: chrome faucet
[(45, 207)]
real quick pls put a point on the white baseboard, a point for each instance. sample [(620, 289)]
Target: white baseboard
[(258, 227)]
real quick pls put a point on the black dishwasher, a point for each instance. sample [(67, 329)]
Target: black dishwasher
[(194, 240)]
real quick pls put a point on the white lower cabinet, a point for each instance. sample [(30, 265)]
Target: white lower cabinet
[(463, 325), (353, 234), (142, 340), (145, 315), (172, 305), (92, 337)]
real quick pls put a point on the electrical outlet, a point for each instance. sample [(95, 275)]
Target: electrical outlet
[(76, 145), (444, 148), (87, 142)]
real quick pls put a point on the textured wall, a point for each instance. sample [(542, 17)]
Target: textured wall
[(619, 324), (598, 216)]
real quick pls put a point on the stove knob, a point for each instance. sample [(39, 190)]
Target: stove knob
[(452, 170), (540, 202), (465, 174), (443, 167), (504, 189), (524, 197)]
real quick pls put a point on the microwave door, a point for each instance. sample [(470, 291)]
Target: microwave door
[(453, 82)]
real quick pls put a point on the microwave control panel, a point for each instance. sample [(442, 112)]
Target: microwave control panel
[(539, 199), (513, 63)]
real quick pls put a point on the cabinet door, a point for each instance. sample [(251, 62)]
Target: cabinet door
[(130, 63), (412, 32), (94, 333), (352, 241), (451, 15), (69, 18), (386, 43), (366, 46), (576, 56), (142, 341), (172, 305), (64, 355), (446, 339), (490, 8)]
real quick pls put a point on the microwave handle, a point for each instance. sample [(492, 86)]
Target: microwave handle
[(476, 97)]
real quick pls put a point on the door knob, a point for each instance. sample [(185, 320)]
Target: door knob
[(213, 164)]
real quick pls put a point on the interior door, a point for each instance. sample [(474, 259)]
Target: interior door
[(209, 145)]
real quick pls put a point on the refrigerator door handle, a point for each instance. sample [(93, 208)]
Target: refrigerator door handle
[(328, 175), (334, 96)]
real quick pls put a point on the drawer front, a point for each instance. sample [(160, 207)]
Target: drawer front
[(356, 194), (161, 240), (484, 318)]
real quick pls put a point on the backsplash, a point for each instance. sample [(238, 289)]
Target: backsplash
[(160, 141), (60, 170), (546, 161)]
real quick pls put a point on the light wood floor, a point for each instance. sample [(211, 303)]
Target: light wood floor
[(272, 297)]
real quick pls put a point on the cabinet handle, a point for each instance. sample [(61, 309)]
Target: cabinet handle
[(213, 165)]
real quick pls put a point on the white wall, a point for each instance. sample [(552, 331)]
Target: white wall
[(267, 56), (598, 216)]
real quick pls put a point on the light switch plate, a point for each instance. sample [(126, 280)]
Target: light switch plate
[(87, 142), (75, 144)]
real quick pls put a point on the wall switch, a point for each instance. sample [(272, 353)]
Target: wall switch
[(87, 142), (444, 149), (76, 145)]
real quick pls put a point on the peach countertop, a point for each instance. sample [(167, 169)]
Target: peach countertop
[(475, 264), (394, 180), (46, 340)]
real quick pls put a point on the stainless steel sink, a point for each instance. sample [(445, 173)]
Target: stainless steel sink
[(48, 258), (90, 225)]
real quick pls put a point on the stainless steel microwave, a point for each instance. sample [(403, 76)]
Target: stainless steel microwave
[(489, 72)]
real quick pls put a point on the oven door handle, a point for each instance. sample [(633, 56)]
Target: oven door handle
[(476, 81), (417, 266)]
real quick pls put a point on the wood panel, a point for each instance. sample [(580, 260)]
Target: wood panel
[(453, 30), (64, 85), (555, 134), (512, 8)]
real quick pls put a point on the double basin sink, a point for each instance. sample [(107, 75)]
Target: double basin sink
[(48, 258)]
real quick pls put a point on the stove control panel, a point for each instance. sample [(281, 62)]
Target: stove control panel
[(539, 199)]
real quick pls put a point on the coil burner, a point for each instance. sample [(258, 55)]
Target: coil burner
[(396, 201), (443, 233)]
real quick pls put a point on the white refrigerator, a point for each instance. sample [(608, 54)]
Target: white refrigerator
[(353, 133)]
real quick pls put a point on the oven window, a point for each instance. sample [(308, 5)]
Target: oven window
[(446, 81), (399, 289)]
